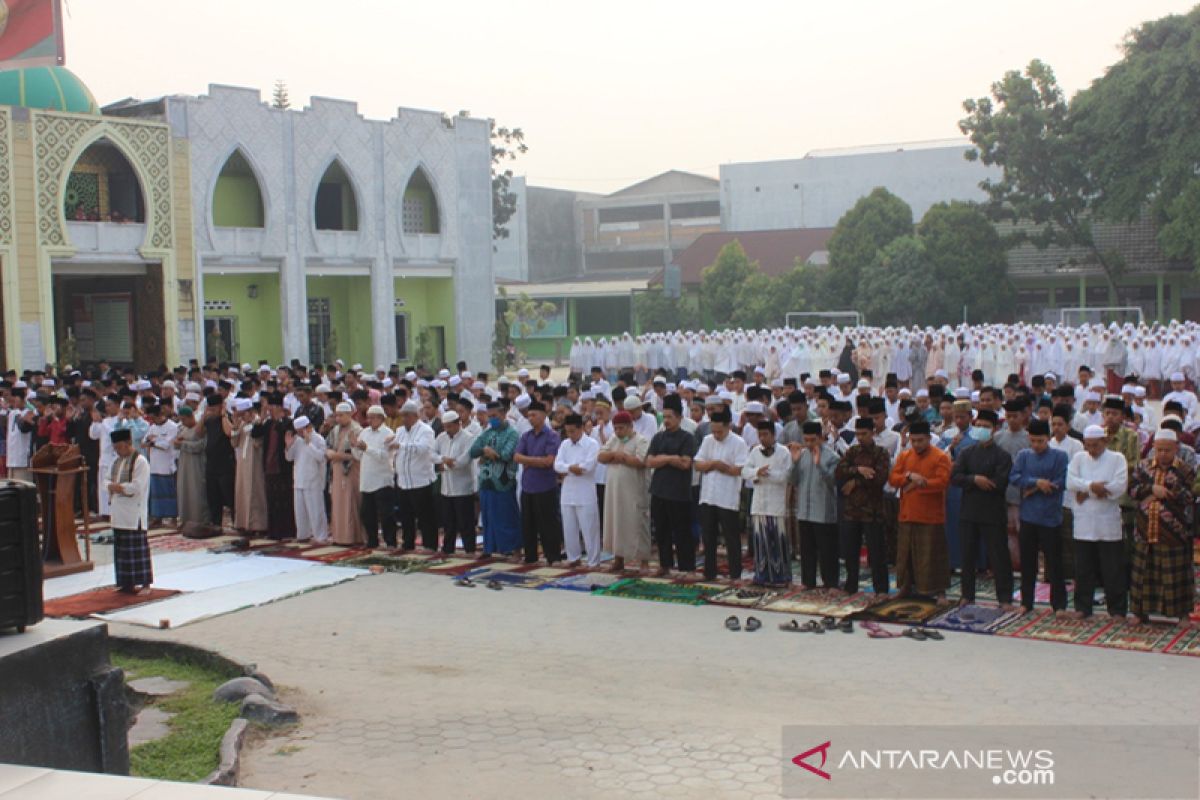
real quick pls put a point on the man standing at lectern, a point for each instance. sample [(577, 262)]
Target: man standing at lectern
[(128, 483)]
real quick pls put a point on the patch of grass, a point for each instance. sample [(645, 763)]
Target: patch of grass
[(191, 750)]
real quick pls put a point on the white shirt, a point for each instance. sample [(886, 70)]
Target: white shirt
[(130, 508), (309, 458), (601, 434), (161, 451), (770, 490), (18, 442), (717, 488), (1098, 519), (376, 471), (577, 490), (99, 431), (415, 456), (459, 480), (646, 425), (1070, 446)]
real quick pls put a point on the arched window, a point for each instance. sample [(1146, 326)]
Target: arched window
[(420, 212), (336, 208), (237, 198), (102, 187)]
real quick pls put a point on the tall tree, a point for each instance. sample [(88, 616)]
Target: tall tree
[(1025, 128), (898, 286), (279, 96), (967, 261), (656, 312), (722, 282), (873, 222), (1141, 121), (507, 144)]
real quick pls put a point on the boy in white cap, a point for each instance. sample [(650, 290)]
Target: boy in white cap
[(306, 451), (452, 454)]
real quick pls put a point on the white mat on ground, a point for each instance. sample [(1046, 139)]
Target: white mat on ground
[(239, 569), (164, 564), (187, 608)]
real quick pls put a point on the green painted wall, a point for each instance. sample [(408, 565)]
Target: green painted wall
[(349, 314), (258, 329), (428, 301), (237, 202)]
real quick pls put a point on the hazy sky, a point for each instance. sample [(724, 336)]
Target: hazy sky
[(610, 93)]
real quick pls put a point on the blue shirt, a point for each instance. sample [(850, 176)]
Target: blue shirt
[(1040, 508), (535, 480)]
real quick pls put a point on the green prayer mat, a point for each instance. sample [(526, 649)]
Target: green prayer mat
[(638, 589)]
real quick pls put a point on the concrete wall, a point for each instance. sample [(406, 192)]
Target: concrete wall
[(815, 191), (543, 243)]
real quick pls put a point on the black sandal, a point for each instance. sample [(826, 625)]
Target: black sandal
[(495, 584), (752, 624), (792, 626), (732, 623), (930, 633), (465, 582), (846, 626), (829, 622), (914, 633), (812, 626)]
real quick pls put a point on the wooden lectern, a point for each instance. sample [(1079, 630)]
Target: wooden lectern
[(58, 469)]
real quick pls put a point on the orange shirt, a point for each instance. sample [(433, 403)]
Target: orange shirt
[(925, 505)]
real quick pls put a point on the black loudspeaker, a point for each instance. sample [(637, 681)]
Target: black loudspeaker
[(20, 557)]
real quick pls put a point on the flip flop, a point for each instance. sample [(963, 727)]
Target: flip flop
[(846, 626), (752, 624), (792, 626), (465, 582), (829, 622), (914, 633), (732, 623), (812, 626), (930, 633), (495, 584), (876, 631)]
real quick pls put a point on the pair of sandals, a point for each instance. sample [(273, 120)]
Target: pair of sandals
[(813, 626), (467, 583), (734, 624), (876, 631)]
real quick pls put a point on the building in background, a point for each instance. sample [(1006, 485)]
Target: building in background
[(95, 230), (815, 191), (321, 234), (543, 242)]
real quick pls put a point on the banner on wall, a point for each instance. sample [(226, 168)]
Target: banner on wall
[(30, 33)]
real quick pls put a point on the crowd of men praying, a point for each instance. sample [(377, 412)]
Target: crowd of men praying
[(805, 443)]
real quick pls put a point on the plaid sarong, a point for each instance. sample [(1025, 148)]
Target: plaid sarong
[(1163, 580), (131, 558)]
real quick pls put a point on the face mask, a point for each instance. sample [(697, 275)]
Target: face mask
[(494, 423), (981, 434)]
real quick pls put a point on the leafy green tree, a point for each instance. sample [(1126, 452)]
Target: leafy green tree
[(967, 260), (507, 144), (525, 314), (1025, 127), (722, 283), (898, 286), (657, 312), (1141, 125), (873, 222)]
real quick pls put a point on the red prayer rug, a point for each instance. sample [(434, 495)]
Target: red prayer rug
[(99, 601)]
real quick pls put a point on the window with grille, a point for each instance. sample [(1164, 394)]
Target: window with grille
[(318, 330)]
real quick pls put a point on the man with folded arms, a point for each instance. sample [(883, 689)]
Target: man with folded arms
[(982, 473), (922, 474), (1097, 478), (1039, 474)]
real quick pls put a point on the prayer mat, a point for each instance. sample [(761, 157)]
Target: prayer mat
[(98, 601), (401, 564), (913, 610), (659, 591), (587, 582), (1186, 643), (458, 566), (550, 573), (973, 619), (507, 578), (745, 597), (176, 543), (1049, 628), (1143, 638), (331, 554), (816, 602)]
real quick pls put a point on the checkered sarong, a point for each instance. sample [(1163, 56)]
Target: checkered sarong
[(131, 558), (1163, 580)]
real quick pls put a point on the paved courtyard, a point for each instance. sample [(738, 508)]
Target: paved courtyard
[(410, 686)]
